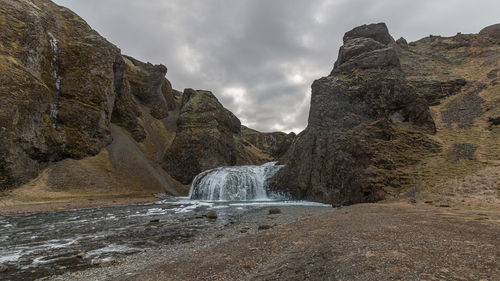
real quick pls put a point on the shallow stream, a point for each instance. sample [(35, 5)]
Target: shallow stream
[(42, 244)]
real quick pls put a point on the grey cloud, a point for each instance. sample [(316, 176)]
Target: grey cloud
[(260, 56)]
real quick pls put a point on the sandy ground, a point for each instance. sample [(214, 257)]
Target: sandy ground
[(397, 241)]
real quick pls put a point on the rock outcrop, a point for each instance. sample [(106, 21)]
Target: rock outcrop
[(363, 118), (139, 83), (275, 144), (395, 118), (208, 136)]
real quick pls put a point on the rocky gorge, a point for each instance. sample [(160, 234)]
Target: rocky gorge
[(80, 119), (412, 126)]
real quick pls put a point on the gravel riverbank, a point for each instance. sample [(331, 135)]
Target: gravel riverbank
[(231, 227), (359, 242)]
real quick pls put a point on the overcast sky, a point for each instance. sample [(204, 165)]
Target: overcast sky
[(259, 57)]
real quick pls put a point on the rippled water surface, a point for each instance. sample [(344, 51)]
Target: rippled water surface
[(41, 244)]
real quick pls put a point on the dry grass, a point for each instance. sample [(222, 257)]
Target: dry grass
[(70, 180), (480, 190), (473, 182)]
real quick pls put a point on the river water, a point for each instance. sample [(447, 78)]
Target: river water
[(42, 244)]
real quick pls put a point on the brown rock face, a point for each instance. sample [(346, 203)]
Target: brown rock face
[(491, 32), (274, 144), (139, 83), (208, 136), (56, 88), (361, 120)]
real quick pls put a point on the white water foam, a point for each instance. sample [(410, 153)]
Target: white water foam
[(113, 248), (236, 183), (12, 256)]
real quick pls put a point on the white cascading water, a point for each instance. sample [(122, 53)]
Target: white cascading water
[(53, 106), (237, 183)]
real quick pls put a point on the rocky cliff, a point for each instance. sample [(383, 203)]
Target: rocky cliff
[(56, 86), (384, 118), (77, 117), (208, 136), (275, 144)]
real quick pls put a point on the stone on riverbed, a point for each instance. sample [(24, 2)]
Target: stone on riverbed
[(274, 211), (264, 227), (211, 214), (82, 256)]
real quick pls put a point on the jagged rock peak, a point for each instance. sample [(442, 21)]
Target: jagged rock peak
[(375, 31), (367, 47), (402, 43)]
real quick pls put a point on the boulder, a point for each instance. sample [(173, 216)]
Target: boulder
[(211, 214), (264, 227), (274, 211)]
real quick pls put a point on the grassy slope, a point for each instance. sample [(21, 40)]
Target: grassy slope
[(466, 183)]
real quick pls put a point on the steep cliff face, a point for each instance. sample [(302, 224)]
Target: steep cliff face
[(139, 83), (275, 144), (208, 136), (370, 124), (56, 85)]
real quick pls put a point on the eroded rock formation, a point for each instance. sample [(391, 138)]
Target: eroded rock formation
[(364, 118), (208, 136), (391, 116)]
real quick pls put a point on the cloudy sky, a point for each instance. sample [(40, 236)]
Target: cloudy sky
[(259, 57)]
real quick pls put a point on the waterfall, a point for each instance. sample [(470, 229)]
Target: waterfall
[(53, 106), (238, 183)]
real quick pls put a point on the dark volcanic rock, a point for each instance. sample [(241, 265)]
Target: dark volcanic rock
[(355, 136), (136, 84), (464, 109), (274, 211), (377, 32), (150, 87), (208, 136), (491, 32), (211, 214), (275, 144), (463, 151), (204, 139), (56, 87), (264, 227), (402, 43), (126, 111), (66, 92)]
